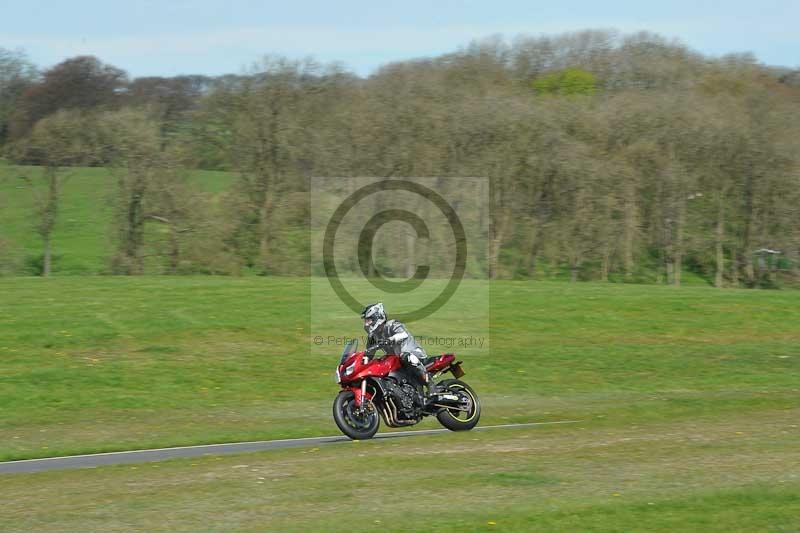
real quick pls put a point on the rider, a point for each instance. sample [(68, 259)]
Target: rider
[(393, 337)]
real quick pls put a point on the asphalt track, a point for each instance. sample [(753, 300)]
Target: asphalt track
[(162, 454)]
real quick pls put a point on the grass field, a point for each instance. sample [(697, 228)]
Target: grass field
[(688, 401), (734, 475)]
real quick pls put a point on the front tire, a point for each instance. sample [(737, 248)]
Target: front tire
[(457, 420), (356, 425)]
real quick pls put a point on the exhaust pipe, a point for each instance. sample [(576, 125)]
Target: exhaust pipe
[(449, 399), (397, 421)]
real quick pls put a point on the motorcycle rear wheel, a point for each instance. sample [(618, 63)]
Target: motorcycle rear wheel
[(456, 420), (355, 425)]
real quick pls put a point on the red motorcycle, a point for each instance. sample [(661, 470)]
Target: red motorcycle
[(375, 388)]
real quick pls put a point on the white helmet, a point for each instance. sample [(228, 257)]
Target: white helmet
[(373, 316)]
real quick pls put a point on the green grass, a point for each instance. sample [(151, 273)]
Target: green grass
[(99, 364), (738, 474), (687, 401)]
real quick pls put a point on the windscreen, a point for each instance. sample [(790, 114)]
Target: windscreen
[(349, 348)]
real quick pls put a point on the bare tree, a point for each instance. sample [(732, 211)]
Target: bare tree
[(132, 143), (60, 141)]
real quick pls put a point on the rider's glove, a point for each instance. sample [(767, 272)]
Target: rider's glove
[(381, 344)]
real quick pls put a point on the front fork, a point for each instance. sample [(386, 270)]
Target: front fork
[(361, 393)]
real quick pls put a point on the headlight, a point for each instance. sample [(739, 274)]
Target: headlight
[(350, 369)]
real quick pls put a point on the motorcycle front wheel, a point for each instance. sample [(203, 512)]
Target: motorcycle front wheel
[(357, 423)]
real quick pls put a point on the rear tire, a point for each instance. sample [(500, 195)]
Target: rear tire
[(353, 424), (456, 420)]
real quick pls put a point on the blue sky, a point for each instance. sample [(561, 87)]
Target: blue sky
[(148, 37)]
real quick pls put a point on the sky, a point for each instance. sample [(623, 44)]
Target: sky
[(167, 38)]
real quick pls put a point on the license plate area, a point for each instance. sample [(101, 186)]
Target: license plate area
[(456, 370)]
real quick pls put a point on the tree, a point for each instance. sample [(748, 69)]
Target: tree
[(272, 140), (60, 141), (153, 190), (83, 82), (16, 75), (169, 100), (609, 156), (568, 82), (132, 144), (178, 208)]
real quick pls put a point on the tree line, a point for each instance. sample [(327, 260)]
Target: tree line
[(610, 157)]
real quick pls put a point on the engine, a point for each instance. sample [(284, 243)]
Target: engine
[(410, 398), (406, 398)]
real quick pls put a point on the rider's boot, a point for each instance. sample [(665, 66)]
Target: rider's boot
[(426, 379), (430, 385)]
